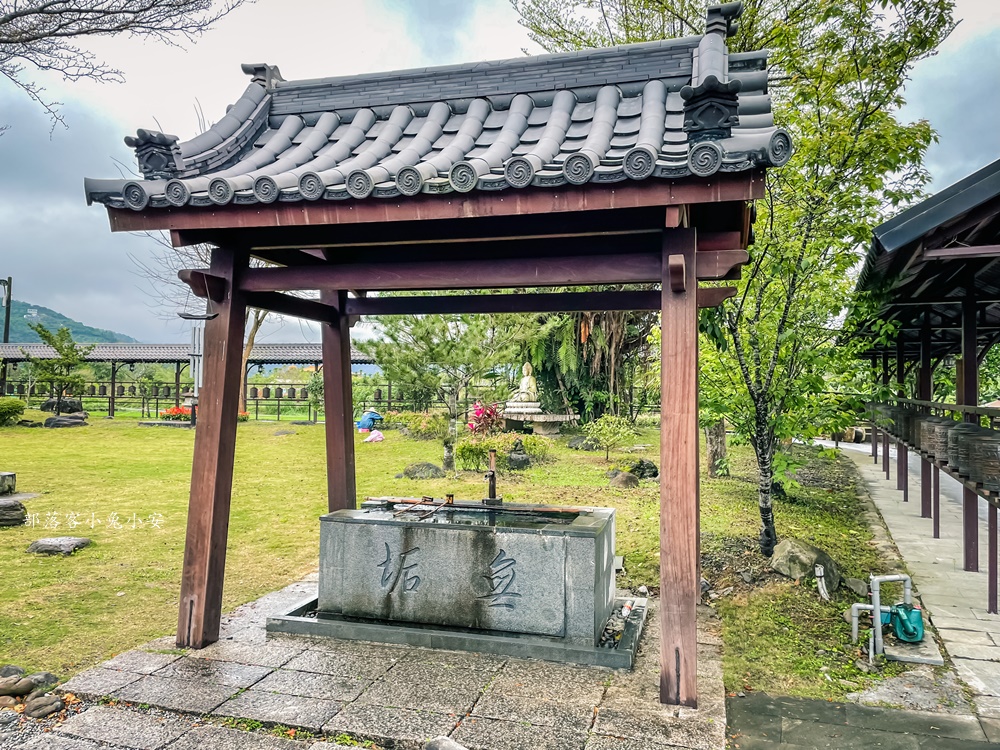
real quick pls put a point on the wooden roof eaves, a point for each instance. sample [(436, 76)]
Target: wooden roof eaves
[(721, 188)]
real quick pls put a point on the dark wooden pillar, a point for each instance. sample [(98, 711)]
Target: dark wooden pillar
[(212, 469), (177, 384), (114, 386), (902, 457), (968, 377), (885, 434), (338, 404), (874, 423), (679, 524), (925, 392)]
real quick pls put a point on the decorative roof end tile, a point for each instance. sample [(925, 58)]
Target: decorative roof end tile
[(266, 75), (159, 154)]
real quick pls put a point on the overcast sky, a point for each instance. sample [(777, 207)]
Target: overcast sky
[(61, 253)]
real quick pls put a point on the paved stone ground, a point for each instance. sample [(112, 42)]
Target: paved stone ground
[(396, 696), (954, 599)]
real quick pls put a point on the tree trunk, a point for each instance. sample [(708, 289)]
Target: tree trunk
[(449, 454), (764, 449), (715, 439), (254, 320)]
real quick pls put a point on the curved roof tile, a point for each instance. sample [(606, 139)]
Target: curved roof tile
[(666, 109)]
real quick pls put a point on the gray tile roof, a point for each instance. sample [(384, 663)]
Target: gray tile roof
[(262, 353), (668, 109)]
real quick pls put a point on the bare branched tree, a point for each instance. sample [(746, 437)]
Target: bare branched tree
[(41, 34), (168, 295)]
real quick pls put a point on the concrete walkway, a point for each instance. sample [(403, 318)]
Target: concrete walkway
[(955, 599)]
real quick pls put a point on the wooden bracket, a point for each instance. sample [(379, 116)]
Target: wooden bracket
[(713, 296), (716, 265), (204, 284), (676, 268)]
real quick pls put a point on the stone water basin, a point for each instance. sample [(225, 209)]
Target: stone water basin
[(541, 570)]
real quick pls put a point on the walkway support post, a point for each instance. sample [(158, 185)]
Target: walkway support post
[(214, 451), (925, 393), (874, 432), (902, 457), (338, 404), (885, 434), (679, 525), (968, 381)]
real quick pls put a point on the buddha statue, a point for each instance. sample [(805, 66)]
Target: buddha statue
[(527, 390)]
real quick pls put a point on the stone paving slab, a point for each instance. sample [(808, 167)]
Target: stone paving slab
[(276, 708), (266, 655), (491, 734), (98, 682), (540, 712), (221, 738), (128, 728), (56, 742), (428, 687), (186, 696), (143, 662), (357, 664), (215, 672), (312, 685), (659, 728), (403, 727)]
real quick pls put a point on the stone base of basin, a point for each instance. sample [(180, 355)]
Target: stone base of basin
[(304, 619)]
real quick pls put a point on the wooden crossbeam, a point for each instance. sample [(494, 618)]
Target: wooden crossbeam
[(296, 307), (963, 253)]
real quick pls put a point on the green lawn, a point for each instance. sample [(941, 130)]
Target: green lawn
[(65, 614)]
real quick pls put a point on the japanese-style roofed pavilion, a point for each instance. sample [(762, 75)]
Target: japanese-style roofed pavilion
[(934, 269), (634, 166)]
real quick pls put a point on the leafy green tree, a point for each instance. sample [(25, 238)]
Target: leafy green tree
[(609, 432), (63, 370), (838, 70)]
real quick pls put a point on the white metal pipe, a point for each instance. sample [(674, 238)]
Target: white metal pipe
[(875, 582)]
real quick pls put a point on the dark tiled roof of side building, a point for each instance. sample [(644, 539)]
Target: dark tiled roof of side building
[(262, 353), (668, 109)]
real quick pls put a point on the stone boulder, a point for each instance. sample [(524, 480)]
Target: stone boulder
[(11, 670), (42, 706), (443, 743), (16, 685), (423, 470), (43, 679), (29, 423), (797, 559), (643, 469), (624, 480), (582, 443), (518, 458), (8, 483), (67, 406), (12, 512), (70, 420), (58, 545)]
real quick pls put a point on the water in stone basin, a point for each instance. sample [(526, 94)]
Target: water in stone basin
[(525, 519)]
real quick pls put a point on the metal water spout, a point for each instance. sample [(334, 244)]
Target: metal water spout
[(491, 478)]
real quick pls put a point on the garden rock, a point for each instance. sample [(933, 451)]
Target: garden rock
[(29, 423), (582, 443), (7, 701), (43, 679), (71, 420), (68, 405), (42, 706), (518, 457), (624, 480), (9, 670), (302, 422), (12, 512), (443, 743), (643, 469), (8, 483), (423, 470), (8, 717), (856, 585), (58, 545), (16, 686), (797, 559)]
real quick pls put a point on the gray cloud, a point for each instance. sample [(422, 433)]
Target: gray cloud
[(60, 251), (437, 25), (948, 90)]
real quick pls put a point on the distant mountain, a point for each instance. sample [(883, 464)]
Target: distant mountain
[(21, 314)]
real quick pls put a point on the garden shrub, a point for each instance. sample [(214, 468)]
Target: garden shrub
[(11, 410), (473, 454), (609, 432), (417, 424)]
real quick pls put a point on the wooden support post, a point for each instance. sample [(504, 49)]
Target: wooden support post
[(177, 384), (885, 434), (991, 584), (339, 404), (212, 469), (874, 422), (114, 386), (936, 501), (969, 378), (925, 392), (902, 457), (679, 523)]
